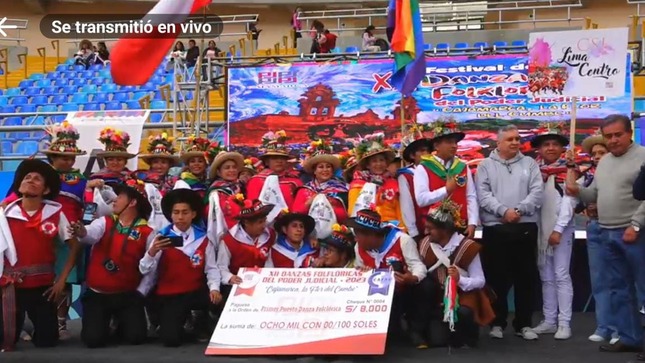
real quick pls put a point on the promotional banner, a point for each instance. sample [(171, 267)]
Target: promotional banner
[(305, 312), (90, 124), (343, 101), (578, 62)]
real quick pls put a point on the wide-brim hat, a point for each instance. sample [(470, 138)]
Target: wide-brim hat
[(187, 196), (63, 153), (275, 153), (256, 210), (63, 149), (366, 219), (115, 154), (285, 219), (452, 135), (413, 146), (186, 156), (591, 141), (339, 240), (537, 141), (310, 163), (52, 179), (143, 204), (223, 157), (389, 154), (147, 158)]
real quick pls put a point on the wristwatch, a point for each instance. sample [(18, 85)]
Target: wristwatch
[(636, 227), (519, 213)]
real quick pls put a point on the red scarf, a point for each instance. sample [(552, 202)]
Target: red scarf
[(557, 168)]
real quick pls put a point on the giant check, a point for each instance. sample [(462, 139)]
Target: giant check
[(305, 311)]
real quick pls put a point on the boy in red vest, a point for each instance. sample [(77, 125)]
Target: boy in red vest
[(247, 244), (292, 248), (115, 287), (445, 176), (380, 245), (180, 270), (31, 226)]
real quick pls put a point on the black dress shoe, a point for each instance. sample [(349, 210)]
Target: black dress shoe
[(620, 348)]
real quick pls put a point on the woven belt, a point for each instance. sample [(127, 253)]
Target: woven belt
[(8, 281)]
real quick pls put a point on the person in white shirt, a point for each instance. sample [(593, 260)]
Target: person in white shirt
[(180, 265), (445, 176), (555, 234), (447, 252)]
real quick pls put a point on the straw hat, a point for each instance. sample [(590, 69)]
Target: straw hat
[(418, 135), (373, 145), (116, 144), (160, 147), (445, 127), (319, 151), (348, 163), (195, 146), (217, 152), (274, 144), (593, 140), (63, 140), (550, 131)]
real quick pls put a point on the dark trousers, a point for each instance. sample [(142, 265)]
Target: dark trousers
[(425, 305), (509, 258), (174, 310), (42, 313), (98, 310)]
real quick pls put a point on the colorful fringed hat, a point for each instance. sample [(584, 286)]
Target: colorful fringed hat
[(348, 163), (366, 219), (194, 147), (550, 131), (136, 188), (63, 140), (593, 140), (219, 155), (116, 144), (253, 164), (447, 214), (341, 237), (319, 151), (274, 144), (373, 145), (445, 127), (160, 147), (251, 208), (418, 135)]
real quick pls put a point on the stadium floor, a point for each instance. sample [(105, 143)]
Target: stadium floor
[(509, 350)]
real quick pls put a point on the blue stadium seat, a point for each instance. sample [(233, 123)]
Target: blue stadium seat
[(43, 82), (70, 107), (443, 46), (113, 106), (61, 82), (33, 91), (518, 43), (59, 99), (86, 74), (36, 76), (13, 121), (40, 100), (92, 107), (132, 105), (121, 96), (50, 90), (26, 83), (7, 148), (500, 44), (101, 97), (158, 96), (158, 105), (156, 80), (27, 148), (1, 92), (481, 45), (427, 46), (139, 95), (148, 87), (105, 73), (53, 75), (78, 82), (14, 92), (70, 62), (169, 78), (49, 108), (351, 49), (61, 68), (188, 95), (69, 74), (19, 100), (31, 108), (4, 101), (80, 98), (156, 118), (69, 89), (58, 119), (98, 81), (461, 45), (34, 120), (128, 89), (8, 109), (90, 88), (108, 87), (79, 68), (96, 67)]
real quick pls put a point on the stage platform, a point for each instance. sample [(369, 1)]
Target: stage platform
[(509, 350)]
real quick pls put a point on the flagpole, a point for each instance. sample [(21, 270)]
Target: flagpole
[(402, 114), (572, 124)]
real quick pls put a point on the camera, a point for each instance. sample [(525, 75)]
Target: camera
[(110, 266)]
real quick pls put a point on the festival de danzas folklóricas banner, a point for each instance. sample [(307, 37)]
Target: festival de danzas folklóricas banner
[(305, 312), (345, 100)]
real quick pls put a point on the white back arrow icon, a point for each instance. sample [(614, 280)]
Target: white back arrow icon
[(5, 26)]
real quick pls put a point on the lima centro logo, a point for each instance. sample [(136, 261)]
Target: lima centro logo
[(273, 79)]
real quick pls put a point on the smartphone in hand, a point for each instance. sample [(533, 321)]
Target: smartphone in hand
[(89, 212)]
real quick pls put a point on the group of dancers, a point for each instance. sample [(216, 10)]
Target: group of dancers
[(158, 250)]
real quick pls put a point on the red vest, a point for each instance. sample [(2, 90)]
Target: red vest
[(245, 255), (419, 213), (127, 258), (389, 253), (35, 247), (459, 195), (285, 258), (179, 273)]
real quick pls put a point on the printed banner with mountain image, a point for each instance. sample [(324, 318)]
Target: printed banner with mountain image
[(344, 101)]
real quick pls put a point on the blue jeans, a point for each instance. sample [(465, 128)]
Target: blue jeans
[(624, 263), (599, 280)]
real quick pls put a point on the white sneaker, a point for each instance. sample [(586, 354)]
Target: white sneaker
[(596, 338), (527, 334), (545, 328), (25, 336), (563, 333), (496, 332), (614, 340), (642, 310)]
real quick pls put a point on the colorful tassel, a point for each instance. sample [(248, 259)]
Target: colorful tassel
[(450, 303)]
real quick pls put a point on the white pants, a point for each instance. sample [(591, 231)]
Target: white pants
[(557, 289)]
